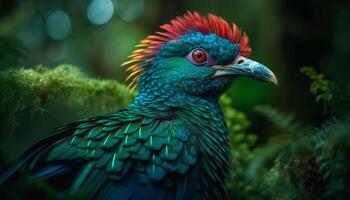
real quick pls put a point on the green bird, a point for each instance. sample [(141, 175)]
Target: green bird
[(172, 141)]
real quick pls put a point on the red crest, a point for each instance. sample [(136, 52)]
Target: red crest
[(174, 30)]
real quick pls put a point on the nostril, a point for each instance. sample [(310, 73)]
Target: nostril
[(240, 61)]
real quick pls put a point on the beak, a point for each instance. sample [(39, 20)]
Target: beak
[(243, 66)]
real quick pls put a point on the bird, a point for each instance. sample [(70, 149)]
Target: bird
[(172, 141)]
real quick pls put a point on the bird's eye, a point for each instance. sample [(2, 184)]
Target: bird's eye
[(200, 57)]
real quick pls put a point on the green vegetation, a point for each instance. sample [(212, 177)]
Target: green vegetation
[(299, 162), (32, 89), (320, 86), (242, 144)]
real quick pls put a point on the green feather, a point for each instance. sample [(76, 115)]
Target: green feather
[(80, 131), (112, 123), (181, 168), (144, 132), (133, 149), (115, 165), (130, 128), (86, 125), (188, 159), (109, 142), (75, 140), (103, 160), (94, 153), (143, 154), (93, 132), (168, 155), (155, 142), (155, 172), (81, 177), (129, 140), (109, 128), (83, 143), (169, 166), (146, 121), (59, 151), (122, 154)]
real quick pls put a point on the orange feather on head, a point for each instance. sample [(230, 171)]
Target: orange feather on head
[(191, 21)]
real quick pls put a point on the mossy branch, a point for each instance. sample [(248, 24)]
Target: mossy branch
[(32, 89)]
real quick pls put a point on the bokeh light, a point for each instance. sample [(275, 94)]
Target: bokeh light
[(58, 24), (100, 11)]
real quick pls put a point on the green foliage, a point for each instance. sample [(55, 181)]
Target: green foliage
[(320, 86), (305, 167), (299, 162), (32, 89), (242, 144), (309, 163), (271, 170), (286, 122)]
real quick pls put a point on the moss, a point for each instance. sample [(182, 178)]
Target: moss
[(32, 89)]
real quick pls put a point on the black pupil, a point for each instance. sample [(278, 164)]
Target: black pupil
[(199, 54)]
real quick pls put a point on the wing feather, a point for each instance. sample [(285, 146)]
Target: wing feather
[(125, 155)]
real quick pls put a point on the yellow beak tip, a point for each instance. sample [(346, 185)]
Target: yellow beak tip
[(273, 80)]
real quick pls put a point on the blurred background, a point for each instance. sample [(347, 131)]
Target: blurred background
[(98, 35)]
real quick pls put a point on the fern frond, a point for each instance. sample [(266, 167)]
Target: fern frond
[(286, 122)]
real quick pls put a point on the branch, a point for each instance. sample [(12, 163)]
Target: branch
[(32, 89)]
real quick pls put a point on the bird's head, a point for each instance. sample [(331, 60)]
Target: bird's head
[(196, 55)]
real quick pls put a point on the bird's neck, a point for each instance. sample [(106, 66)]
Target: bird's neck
[(166, 98)]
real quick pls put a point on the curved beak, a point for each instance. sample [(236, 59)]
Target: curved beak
[(243, 66)]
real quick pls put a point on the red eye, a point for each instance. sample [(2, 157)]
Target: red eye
[(199, 56)]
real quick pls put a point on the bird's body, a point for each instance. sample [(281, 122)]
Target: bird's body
[(155, 148), (171, 142)]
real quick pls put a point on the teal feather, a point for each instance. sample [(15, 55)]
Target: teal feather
[(102, 162), (109, 129), (109, 141), (166, 154), (115, 165), (129, 140), (143, 154), (95, 133), (169, 166), (80, 131), (155, 172)]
